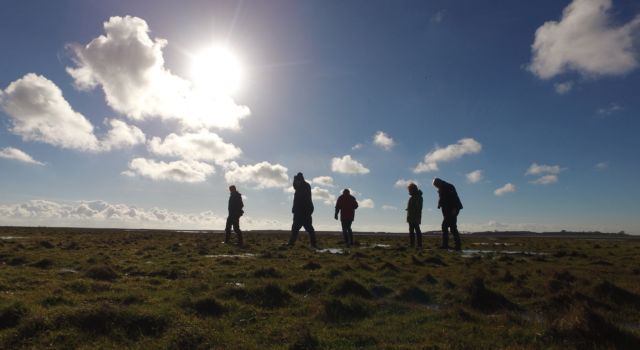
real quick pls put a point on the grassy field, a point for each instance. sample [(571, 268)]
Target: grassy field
[(84, 288)]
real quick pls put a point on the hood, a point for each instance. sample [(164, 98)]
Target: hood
[(417, 193)]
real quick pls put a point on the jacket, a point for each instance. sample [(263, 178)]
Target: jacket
[(448, 197), (302, 203), (414, 208), (347, 206), (235, 204)]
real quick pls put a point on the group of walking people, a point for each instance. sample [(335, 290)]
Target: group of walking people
[(346, 205)]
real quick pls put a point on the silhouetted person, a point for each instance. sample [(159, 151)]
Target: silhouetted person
[(346, 206), (414, 215), (450, 204), (302, 210), (235, 212)]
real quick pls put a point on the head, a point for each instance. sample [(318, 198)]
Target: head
[(232, 188), (412, 188), (346, 191), (437, 182)]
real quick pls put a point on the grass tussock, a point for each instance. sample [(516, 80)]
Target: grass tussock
[(109, 320), (11, 314), (486, 300), (589, 330), (338, 311), (349, 287), (102, 273), (414, 294)]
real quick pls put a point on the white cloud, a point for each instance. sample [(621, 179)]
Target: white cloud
[(383, 141), (324, 195), (389, 207), (474, 176), (404, 183), (602, 165), (179, 171), (545, 180), (535, 169), (39, 112), (203, 145), (609, 110), (98, 213), (357, 146), (16, 154), (563, 88), (326, 181), (347, 165), (261, 175), (121, 135), (129, 67), (366, 203), (586, 41), (505, 189), (451, 152)]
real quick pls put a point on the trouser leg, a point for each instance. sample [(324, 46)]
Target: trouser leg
[(295, 228), (445, 233), (418, 236), (453, 223), (412, 235), (227, 230), (350, 234), (345, 232), (236, 229), (308, 226)]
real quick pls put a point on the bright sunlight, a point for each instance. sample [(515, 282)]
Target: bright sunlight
[(217, 70)]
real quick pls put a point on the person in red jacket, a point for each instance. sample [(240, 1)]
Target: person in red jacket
[(346, 206)]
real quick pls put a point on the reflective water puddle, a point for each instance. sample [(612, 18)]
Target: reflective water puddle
[(467, 253), (8, 238), (331, 250), (244, 255)]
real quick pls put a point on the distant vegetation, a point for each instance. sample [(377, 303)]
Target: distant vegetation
[(110, 289)]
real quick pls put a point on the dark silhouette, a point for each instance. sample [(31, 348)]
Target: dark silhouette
[(302, 210), (235, 212), (346, 206), (450, 204), (414, 215)]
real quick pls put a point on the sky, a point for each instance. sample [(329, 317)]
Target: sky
[(140, 114)]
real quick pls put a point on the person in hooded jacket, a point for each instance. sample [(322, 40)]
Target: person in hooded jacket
[(302, 210), (346, 205), (414, 215), (235, 212), (451, 205)]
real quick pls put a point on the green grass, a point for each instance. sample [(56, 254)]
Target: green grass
[(82, 288)]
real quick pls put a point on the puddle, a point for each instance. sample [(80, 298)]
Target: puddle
[(497, 244), (236, 284), (245, 256), (331, 250), (377, 245), (8, 238), (67, 271), (467, 253)]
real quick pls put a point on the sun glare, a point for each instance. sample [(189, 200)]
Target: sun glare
[(217, 70)]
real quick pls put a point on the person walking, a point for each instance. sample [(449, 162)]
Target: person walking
[(451, 205), (235, 212), (346, 205), (414, 215), (302, 210)]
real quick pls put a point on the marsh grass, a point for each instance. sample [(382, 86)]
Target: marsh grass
[(110, 289)]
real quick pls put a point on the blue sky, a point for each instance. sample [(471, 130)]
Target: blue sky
[(531, 110)]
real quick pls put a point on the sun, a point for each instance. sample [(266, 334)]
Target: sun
[(217, 70)]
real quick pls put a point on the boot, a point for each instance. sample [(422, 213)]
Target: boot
[(312, 240), (419, 236), (240, 241), (445, 240), (412, 239), (227, 237), (293, 238)]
